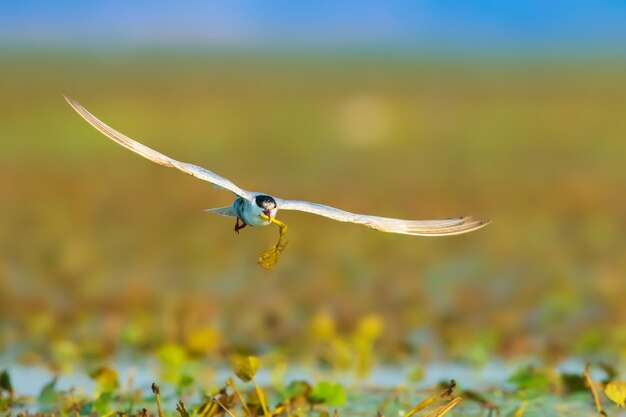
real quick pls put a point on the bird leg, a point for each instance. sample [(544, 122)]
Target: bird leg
[(238, 227), (269, 257)]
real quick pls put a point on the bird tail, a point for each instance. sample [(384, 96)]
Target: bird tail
[(223, 211)]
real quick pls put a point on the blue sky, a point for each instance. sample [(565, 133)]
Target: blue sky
[(510, 25)]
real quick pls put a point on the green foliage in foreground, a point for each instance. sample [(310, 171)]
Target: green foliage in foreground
[(531, 390)]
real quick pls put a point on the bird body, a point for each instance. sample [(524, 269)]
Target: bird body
[(258, 209), (250, 211)]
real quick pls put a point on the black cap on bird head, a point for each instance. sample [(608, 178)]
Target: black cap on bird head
[(266, 202)]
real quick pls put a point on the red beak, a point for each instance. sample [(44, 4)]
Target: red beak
[(268, 213)]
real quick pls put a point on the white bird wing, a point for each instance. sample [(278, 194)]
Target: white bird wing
[(447, 227), (154, 156), (222, 211)]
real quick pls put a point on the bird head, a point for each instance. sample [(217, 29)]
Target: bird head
[(267, 204)]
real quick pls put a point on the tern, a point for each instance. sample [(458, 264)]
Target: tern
[(259, 209)]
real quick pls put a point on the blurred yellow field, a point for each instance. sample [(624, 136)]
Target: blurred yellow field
[(105, 249)]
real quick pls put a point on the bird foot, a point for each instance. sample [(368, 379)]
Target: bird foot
[(238, 226)]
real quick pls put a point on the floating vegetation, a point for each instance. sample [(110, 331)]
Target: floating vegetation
[(442, 409), (301, 398)]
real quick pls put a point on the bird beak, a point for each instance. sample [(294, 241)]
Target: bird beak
[(268, 213)]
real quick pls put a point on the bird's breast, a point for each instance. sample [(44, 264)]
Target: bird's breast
[(252, 218), (247, 212), (256, 221)]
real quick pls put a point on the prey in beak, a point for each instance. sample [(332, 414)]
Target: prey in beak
[(269, 257)]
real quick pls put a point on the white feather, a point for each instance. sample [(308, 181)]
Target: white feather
[(223, 211), (447, 227), (154, 156)]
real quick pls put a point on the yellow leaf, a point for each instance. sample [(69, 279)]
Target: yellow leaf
[(171, 357), (370, 327), (440, 410), (520, 411), (202, 341), (419, 407), (106, 379), (261, 396), (245, 367), (65, 354), (616, 391), (443, 410), (323, 326), (171, 354)]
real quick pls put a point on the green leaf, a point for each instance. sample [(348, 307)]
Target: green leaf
[(329, 393), (294, 390), (101, 404), (245, 367), (48, 393), (530, 382), (574, 382), (185, 382), (5, 381), (86, 409)]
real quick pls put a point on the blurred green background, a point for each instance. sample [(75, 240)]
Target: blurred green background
[(102, 249)]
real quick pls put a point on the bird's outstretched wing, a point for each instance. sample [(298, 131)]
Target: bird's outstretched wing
[(447, 227), (223, 211), (154, 156)]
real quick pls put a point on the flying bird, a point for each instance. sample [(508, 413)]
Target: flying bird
[(259, 209)]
